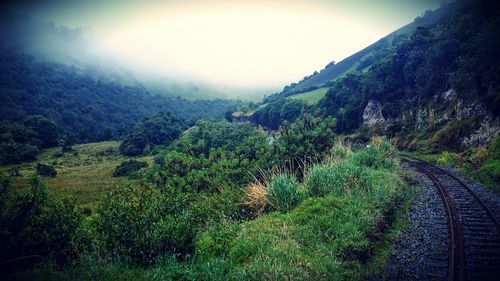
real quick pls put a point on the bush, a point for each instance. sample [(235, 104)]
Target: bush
[(139, 225), (216, 240), (309, 138), (159, 129), (128, 167), (379, 154), (447, 158), (41, 226), (340, 151), (283, 192), (45, 170), (134, 224)]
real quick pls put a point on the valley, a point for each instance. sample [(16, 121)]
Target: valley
[(384, 165)]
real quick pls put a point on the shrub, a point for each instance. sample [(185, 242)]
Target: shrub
[(128, 167), (379, 154), (41, 226), (14, 172), (447, 158), (309, 138), (340, 151), (134, 224), (45, 170), (283, 192), (139, 225), (159, 129)]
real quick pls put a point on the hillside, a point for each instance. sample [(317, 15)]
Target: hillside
[(80, 106), (361, 61), (432, 85)]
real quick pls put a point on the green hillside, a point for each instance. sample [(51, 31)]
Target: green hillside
[(360, 61), (311, 97)]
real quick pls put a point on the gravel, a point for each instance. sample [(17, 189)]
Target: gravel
[(421, 251)]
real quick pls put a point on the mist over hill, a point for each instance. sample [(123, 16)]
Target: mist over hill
[(77, 47)]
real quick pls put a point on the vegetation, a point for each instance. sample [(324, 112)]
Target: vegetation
[(45, 170), (272, 115), (450, 49), (129, 167), (218, 200), (309, 138), (481, 163), (311, 97), (299, 234), (85, 173), (42, 102), (160, 129)]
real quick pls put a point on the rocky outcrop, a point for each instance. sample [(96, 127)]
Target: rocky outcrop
[(483, 135), (431, 114), (372, 115), (241, 117)]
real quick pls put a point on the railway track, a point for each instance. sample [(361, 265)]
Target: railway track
[(473, 229)]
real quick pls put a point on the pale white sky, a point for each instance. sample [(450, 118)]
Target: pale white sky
[(244, 43)]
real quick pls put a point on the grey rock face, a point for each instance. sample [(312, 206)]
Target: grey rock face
[(372, 115)]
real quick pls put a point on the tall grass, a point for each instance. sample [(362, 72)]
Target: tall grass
[(322, 180), (283, 192)]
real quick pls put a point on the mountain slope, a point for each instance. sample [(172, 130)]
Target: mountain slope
[(361, 61), (434, 84), (78, 104)]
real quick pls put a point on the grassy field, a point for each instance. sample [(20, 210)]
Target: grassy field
[(85, 173), (311, 97)]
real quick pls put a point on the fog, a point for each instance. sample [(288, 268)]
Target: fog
[(237, 49)]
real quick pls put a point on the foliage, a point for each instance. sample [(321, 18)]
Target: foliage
[(212, 156), (176, 233), (309, 138), (340, 151), (40, 226), (139, 224), (326, 237), (481, 163), (447, 158), (273, 114), (78, 103), (21, 142), (126, 168), (5, 185), (45, 170), (160, 129), (322, 180), (379, 154)]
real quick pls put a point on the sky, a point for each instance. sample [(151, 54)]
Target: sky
[(244, 43)]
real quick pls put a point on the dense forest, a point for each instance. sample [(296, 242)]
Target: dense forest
[(75, 106)]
